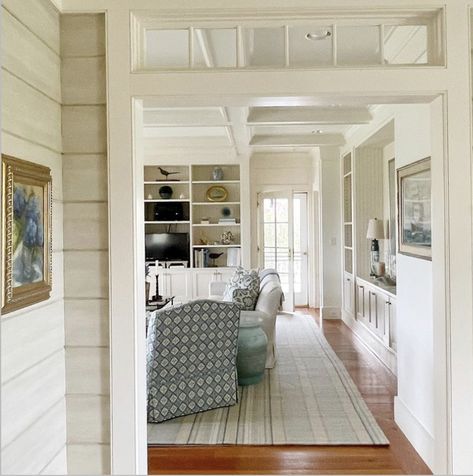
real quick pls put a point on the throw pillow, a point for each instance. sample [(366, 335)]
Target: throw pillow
[(243, 289)]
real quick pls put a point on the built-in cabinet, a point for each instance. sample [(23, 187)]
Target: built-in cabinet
[(206, 201), (187, 283), (368, 304), (376, 309)]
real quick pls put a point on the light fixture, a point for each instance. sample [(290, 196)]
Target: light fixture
[(375, 232), (317, 36)]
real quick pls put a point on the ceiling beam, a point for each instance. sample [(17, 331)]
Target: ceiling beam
[(306, 140), (309, 115)]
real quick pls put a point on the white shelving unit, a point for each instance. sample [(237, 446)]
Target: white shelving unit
[(190, 187)]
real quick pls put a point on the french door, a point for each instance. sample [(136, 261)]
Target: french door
[(283, 242)]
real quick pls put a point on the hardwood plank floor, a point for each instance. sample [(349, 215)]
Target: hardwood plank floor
[(378, 387)]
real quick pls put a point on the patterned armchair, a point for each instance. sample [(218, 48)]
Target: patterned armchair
[(191, 359)]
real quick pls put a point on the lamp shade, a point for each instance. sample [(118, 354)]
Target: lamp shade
[(375, 229)]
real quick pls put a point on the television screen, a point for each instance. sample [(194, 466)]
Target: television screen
[(167, 246)]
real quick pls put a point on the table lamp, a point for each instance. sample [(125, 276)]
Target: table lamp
[(375, 232)]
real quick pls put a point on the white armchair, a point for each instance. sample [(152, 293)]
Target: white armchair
[(267, 307)]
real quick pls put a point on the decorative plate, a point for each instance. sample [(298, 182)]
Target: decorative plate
[(217, 193)]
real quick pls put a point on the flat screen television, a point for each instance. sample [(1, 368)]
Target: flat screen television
[(167, 246)]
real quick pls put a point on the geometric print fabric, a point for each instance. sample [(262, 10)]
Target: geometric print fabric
[(191, 359), (243, 289)]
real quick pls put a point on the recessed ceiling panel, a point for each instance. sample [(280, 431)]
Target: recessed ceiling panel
[(183, 115), (298, 129), (171, 132)]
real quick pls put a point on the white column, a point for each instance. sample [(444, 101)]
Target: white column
[(128, 384)]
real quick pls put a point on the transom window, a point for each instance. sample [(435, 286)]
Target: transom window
[(394, 39)]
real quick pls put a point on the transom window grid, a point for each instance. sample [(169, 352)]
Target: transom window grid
[(389, 41)]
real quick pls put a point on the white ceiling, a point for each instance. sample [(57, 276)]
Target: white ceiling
[(246, 129)]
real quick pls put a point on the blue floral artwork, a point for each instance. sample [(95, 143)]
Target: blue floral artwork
[(28, 234)]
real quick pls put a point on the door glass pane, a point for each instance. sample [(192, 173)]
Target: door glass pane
[(310, 52), (348, 236), (405, 44), (270, 258), (357, 45), (215, 47), (167, 49), (269, 235), (282, 235), (347, 212), (282, 210), (297, 225), (264, 46), (348, 261), (268, 207)]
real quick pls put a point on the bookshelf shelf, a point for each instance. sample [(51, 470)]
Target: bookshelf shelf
[(195, 183)]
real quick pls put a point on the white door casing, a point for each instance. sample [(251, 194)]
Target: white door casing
[(452, 272)]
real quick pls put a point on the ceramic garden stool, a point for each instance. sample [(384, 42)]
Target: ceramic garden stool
[(252, 346)]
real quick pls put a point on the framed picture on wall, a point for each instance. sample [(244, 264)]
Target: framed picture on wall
[(415, 209), (26, 232)]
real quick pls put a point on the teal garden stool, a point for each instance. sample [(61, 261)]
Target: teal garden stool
[(252, 347)]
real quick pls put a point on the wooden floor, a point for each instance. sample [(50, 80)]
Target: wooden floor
[(378, 387)]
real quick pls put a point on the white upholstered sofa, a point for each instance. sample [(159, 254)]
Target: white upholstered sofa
[(267, 307)]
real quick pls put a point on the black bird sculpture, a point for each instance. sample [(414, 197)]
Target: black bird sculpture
[(166, 173), (214, 257)]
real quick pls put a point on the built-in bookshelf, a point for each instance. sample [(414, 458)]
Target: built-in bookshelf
[(205, 199)]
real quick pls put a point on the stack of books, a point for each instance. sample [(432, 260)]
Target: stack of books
[(201, 258), (229, 221)]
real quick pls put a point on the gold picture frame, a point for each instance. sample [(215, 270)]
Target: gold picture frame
[(217, 193), (26, 233), (414, 182)]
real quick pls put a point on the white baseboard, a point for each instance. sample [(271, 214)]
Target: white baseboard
[(387, 356), (330, 313), (419, 437)]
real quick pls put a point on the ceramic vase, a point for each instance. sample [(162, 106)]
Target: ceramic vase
[(217, 173), (251, 357)]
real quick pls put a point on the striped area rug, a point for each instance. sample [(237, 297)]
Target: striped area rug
[(307, 399)]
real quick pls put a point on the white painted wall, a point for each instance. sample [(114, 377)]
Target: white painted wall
[(414, 405), (33, 408), (330, 209), (85, 243)]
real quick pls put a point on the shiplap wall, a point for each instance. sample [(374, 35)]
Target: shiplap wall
[(32, 347), (368, 184), (85, 243)]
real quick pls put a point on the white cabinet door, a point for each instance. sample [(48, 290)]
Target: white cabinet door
[(173, 282), (348, 294), (177, 284), (202, 279), (361, 302), (204, 276)]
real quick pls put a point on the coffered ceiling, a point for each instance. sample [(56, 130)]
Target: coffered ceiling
[(249, 128)]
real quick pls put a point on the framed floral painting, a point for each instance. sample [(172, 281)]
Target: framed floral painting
[(26, 233)]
